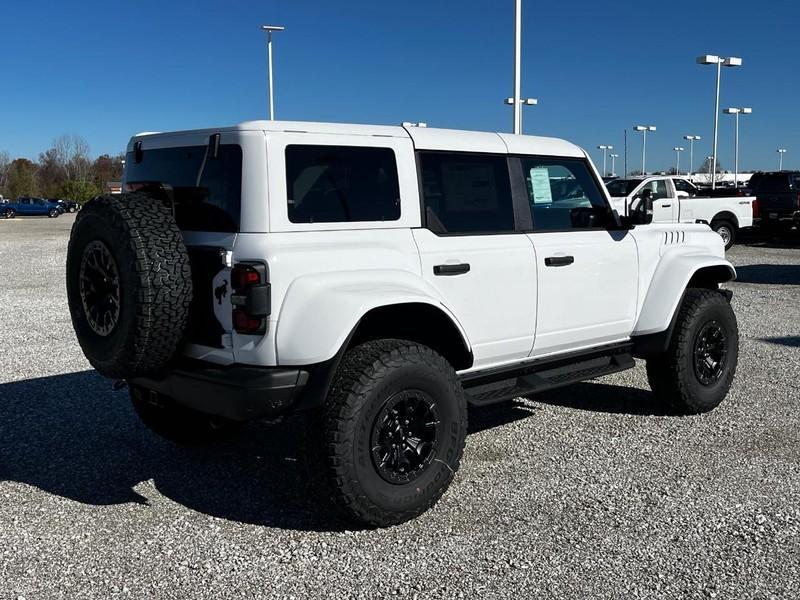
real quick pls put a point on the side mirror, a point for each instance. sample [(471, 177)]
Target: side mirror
[(642, 213), (681, 194)]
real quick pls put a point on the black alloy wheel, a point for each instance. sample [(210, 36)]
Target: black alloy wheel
[(99, 288), (710, 351), (404, 436)]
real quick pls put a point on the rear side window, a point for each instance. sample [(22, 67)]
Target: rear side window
[(774, 182), (466, 193), (339, 184), (563, 194), (207, 191)]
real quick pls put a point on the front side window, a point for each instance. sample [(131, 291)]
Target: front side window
[(206, 190), (684, 186), (658, 189), (563, 194), (340, 184), (466, 193)]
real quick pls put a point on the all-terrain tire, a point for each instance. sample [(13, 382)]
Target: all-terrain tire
[(180, 424), (726, 231), (674, 376), (371, 377), (151, 270)]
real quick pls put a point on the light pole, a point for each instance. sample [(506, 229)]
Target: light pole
[(737, 112), (605, 149), (691, 139), (711, 59), (644, 129), (269, 29), (781, 152), (522, 102), (516, 101), (678, 150), (614, 157)]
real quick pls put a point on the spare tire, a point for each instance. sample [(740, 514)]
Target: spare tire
[(129, 284)]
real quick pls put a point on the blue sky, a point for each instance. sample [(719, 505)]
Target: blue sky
[(106, 70)]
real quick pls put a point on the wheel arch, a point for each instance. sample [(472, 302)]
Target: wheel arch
[(672, 277), (322, 313), (725, 215)]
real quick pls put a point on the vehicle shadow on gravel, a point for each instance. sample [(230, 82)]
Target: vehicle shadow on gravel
[(72, 436), (769, 274), (603, 397)]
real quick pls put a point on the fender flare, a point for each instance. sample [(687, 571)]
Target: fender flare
[(319, 312), (670, 280)]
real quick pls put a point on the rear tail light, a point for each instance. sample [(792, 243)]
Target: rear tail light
[(756, 208), (250, 298)]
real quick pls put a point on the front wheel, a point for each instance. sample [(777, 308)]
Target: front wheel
[(695, 373), (11, 213), (392, 431), (54, 212), (726, 231)]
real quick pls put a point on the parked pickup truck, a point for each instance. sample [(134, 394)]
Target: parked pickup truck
[(676, 200), (778, 195), (30, 207)]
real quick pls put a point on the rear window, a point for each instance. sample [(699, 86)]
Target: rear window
[(466, 193), (339, 184), (207, 191), (622, 187), (777, 182)]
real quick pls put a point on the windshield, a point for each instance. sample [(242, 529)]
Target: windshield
[(622, 187)]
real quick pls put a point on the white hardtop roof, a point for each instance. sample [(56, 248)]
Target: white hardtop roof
[(424, 138)]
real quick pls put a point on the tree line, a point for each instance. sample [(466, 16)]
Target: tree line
[(65, 170)]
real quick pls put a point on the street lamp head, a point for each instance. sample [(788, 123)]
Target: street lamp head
[(678, 149), (273, 27), (746, 111), (732, 61), (708, 59), (731, 111), (781, 150), (509, 101), (691, 137), (640, 128), (614, 155), (530, 101)]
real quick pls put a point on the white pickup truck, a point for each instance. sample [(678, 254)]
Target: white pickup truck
[(676, 200)]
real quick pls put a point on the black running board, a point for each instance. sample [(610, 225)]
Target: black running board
[(498, 385)]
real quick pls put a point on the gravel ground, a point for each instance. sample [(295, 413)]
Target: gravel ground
[(588, 491)]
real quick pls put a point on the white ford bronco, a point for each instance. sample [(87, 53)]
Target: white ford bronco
[(379, 280)]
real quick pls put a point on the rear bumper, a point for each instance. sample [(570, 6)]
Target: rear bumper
[(237, 392), (784, 217)]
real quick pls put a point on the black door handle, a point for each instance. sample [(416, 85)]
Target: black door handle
[(559, 261), (458, 269), (666, 205)]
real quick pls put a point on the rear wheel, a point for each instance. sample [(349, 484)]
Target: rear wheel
[(11, 213), (392, 431), (177, 423), (726, 231), (54, 212), (695, 373)]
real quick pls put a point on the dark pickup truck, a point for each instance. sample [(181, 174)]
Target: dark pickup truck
[(778, 199)]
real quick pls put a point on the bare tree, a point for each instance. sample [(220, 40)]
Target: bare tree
[(5, 164), (71, 152)]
